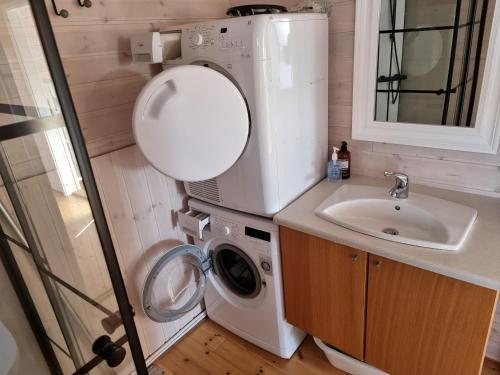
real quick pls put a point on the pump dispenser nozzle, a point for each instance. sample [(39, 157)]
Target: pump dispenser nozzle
[(334, 153)]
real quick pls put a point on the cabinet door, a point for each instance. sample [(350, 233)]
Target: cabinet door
[(422, 323), (325, 285)]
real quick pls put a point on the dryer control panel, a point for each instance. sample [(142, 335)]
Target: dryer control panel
[(200, 36), (220, 40), (209, 36)]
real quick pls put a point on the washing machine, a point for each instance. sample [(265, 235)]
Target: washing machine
[(240, 111), (234, 267)]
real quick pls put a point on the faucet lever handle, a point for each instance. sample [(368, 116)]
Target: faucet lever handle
[(401, 178), (400, 190)]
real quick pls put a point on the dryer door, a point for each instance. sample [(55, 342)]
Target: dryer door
[(191, 123), (176, 283)]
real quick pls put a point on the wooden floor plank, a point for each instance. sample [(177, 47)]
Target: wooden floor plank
[(236, 354), (209, 349), (307, 360), (209, 361), (491, 367), (179, 364)]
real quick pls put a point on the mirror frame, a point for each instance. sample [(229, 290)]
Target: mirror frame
[(483, 138)]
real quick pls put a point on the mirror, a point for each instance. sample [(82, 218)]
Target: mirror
[(424, 75), (431, 59)]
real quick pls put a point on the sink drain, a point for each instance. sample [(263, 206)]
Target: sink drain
[(391, 231)]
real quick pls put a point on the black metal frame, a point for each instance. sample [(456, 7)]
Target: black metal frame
[(461, 87), (451, 66), (479, 48), (68, 109), (31, 126), (19, 110), (28, 306), (393, 4), (56, 278), (22, 128), (465, 67), (428, 28)]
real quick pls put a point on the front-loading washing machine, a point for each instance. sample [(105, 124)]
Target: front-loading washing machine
[(240, 115), (236, 269)]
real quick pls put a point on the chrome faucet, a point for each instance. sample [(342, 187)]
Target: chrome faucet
[(402, 186)]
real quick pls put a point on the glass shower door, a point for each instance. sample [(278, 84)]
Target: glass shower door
[(52, 230), (54, 242)]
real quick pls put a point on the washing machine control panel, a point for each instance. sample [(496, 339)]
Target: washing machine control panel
[(258, 239), (224, 228)]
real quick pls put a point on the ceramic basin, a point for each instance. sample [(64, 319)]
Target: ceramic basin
[(419, 220)]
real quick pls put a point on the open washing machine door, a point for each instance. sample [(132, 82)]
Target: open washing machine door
[(191, 123), (177, 282)]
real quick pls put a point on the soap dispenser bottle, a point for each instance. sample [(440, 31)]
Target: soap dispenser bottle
[(344, 160), (334, 173)]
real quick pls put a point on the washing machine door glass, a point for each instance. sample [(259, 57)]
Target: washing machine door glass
[(191, 122), (237, 271), (176, 283)]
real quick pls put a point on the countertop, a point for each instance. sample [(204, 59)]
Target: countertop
[(477, 261)]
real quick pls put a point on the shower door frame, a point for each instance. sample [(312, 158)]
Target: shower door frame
[(72, 125)]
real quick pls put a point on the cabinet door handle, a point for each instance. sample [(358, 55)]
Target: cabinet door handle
[(378, 263), (354, 257)]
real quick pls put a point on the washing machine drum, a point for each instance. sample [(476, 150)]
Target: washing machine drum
[(191, 123)]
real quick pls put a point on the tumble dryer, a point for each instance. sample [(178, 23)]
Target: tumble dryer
[(240, 115)]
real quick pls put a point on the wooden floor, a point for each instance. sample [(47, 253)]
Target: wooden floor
[(212, 350)]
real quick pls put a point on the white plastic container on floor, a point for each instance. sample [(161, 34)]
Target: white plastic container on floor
[(345, 363)]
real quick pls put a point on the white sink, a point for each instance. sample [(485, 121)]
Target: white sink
[(419, 220)]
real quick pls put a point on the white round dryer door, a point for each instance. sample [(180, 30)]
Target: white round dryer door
[(191, 123)]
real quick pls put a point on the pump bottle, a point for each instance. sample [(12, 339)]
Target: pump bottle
[(334, 173)]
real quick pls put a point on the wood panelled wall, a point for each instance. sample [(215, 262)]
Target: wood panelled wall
[(94, 46), (140, 205)]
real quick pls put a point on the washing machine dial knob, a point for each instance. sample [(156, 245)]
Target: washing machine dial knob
[(197, 39), (226, 230), (266, 266)]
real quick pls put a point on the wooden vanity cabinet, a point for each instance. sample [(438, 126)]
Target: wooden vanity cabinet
[(417, 322), (420, 322), (325, 289)]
